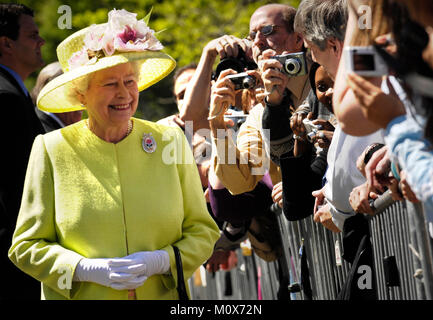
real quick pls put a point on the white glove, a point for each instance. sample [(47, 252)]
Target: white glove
[(102, 272), (145, 263), (129, 272)]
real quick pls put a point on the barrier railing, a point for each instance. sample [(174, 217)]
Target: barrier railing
[(399, 231), (399, 238), (327, 271)]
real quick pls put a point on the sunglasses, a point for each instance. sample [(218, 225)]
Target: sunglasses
[(265, 30)]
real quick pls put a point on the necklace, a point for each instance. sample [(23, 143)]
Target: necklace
[(128, 131)]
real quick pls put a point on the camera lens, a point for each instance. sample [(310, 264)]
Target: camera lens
[(292, 66), (249, 82)]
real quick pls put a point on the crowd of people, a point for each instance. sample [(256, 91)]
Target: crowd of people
[(289, 116)]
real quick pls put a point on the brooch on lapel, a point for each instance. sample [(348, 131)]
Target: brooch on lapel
[(148, 143)]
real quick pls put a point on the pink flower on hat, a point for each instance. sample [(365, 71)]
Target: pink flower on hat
[(128, 35), (94, 39), (122, 33), (78, 59), (131, 35)]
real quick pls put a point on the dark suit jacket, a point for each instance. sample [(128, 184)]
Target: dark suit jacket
[(18, 129), (48, 122)]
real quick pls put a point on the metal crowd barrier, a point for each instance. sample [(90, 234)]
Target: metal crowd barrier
[(240, 283), (327, 269), (398, 232)]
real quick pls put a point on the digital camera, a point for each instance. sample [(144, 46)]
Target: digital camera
[(311, 129), (365, 61), (238, 118), (294, 64), (242, 81), (239, 64)]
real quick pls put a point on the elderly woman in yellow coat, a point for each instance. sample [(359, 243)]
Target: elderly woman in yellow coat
[(106, 199)]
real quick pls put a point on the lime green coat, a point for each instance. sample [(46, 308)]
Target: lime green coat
[(84, 197)]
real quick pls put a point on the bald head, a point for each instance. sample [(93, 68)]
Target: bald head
[(279, 18), (285, 12)]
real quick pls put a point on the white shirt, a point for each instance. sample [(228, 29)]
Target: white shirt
[(342, 174)]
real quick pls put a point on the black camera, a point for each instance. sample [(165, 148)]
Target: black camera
[(294, 64), (239, 64), (242, 81)]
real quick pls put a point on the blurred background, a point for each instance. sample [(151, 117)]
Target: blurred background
[(186, 27)]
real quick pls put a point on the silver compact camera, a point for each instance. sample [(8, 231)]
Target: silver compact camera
[(238, 117), (365, 61), (311, 129), (294, 64), (242, 81)]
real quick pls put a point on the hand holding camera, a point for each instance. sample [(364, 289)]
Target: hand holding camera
[(277, 69), (274, 80), (222, 97), (296, 123), (243, 81), (235, 54), (324, 136), (226, 46), (294, 64), (315, 131), (311, 130), (319, 131)]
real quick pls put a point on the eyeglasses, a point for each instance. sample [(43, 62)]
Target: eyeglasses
[(265, 30)]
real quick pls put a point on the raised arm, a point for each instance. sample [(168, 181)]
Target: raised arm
[(346, 108), (197, 96)]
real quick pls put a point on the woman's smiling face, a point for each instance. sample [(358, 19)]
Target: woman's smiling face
[(111, 98)]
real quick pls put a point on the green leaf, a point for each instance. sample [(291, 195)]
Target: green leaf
[(146, 19)]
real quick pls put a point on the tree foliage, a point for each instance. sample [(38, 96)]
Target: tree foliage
[(186, 27)]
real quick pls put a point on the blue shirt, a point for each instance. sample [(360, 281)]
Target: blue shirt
[(17, 78), (414, 153)]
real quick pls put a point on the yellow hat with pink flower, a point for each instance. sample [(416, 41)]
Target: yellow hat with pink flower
[(121, 40)]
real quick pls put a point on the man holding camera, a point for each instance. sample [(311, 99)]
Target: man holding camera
[(243, 167), (271, 34), (197, 95)]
